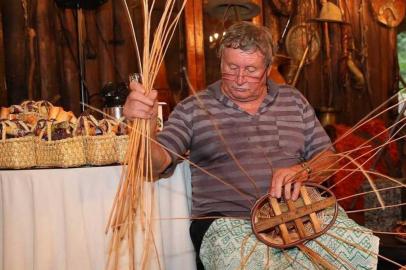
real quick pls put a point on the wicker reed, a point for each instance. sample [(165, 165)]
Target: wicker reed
[(18, 153), (121, 147), (61, 153), (101, 150)]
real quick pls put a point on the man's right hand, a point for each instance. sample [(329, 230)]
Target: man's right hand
[(139, 104), (145, 106)]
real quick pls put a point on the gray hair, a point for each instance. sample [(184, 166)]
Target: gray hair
[(248, 37)]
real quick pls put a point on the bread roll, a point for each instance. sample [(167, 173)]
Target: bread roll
[(4, 113), (53, 112), (63, 116)]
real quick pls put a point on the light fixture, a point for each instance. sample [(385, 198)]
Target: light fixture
[(235, 10), (228, 10)]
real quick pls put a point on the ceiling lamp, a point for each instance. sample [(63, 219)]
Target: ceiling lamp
[(235, 10)]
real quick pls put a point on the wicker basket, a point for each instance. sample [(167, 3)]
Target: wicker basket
[(121, 146), (62, 153), (101, 150), (18, 153)]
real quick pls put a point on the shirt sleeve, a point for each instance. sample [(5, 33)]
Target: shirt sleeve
[(177, 133), (316, 138)]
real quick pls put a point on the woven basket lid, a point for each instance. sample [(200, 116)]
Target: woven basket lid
[(227, 9)]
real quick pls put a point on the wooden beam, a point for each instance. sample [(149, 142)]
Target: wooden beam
[(195, 44)]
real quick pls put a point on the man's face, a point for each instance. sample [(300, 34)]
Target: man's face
[(243, 75)]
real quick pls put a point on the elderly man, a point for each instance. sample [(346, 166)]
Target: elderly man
[(254, 135)]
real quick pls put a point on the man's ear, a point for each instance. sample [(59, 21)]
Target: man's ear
[(268, 69)]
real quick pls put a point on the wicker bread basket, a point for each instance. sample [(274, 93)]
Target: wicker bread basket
[(64, 153), (101, 150), (121, 146), (18, 153)]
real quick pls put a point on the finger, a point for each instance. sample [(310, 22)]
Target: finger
[(272, 187), (278, 186), (132, 110), (153, 94), (296, 190), (138, 96), (136, 87), (139, 114), (288, 187)]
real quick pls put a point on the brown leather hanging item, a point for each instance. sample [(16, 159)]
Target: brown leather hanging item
[(283, 7), (274, 73), (389, 12)]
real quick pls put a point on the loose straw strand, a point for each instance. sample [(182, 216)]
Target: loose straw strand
[(133, 207)]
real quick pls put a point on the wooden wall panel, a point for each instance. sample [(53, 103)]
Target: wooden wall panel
[(91, 56), (47, 51), (124, 51), (56, 71), (70, 87), (14, 50), (104, 19), (195, 46), (3, 89), (376, 57)]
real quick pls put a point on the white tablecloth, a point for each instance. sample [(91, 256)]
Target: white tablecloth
[(55, 218)]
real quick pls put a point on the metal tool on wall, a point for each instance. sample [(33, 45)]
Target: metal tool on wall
[(348, 65), (280, 58), (329, 13)]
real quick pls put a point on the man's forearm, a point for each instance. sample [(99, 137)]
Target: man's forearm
[(322, 166), (160, 159)]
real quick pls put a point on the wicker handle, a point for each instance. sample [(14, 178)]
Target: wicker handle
[(49, 130), (86, 123), (3, 131), (86, 126)]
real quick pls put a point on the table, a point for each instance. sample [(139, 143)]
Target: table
[(56, 218)]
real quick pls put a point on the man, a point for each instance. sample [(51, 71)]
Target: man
[(254, 135)]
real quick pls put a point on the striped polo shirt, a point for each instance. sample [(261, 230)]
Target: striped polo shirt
[(282, 133)]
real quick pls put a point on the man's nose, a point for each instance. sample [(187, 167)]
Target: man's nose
[(240, 77)]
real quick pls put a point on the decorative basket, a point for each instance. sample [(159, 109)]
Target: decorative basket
[(18, 153), (101, 150), (121, 146), (61, 153)]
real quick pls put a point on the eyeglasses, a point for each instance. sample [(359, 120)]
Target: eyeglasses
[(232, 75)]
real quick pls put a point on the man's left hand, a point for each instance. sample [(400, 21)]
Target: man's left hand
[(285, 178)]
